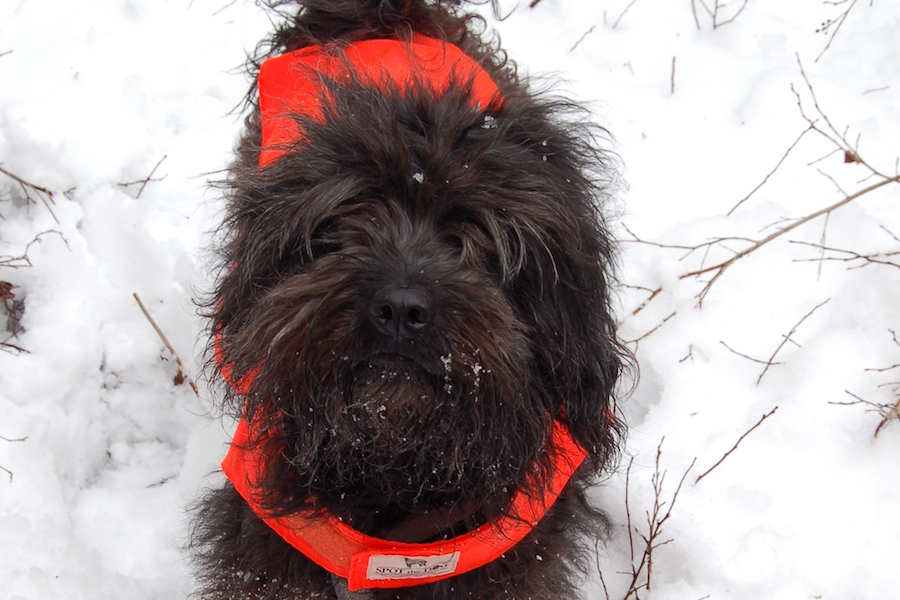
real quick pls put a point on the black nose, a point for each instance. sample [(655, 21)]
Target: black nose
[(401, 311)]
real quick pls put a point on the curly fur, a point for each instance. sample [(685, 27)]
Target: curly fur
[(497, 221)]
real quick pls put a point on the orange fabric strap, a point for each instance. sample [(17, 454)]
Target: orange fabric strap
[(292, 84), (368, 562)]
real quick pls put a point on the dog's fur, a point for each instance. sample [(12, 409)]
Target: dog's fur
[(495, 225)]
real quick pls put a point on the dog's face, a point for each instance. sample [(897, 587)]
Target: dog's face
[(419, 290)]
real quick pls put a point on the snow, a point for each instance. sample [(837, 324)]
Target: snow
[(96, 94)]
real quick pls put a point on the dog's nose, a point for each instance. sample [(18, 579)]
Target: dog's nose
[(401, 311)]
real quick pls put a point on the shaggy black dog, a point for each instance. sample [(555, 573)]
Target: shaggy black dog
[(412, 319)]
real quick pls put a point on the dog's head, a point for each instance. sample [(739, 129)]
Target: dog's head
[(414, 287)]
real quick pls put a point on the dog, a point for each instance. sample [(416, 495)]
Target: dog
[(412, 321)]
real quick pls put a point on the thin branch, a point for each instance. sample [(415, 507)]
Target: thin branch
[(647, 334), (748, 357), (672, 78), (643, 570), (581, 39), (787, 338), (851, 256), (13, 349), (838, 138), (694, 11), (888, 412), (879, 89), (829, 22), (628, 508), (171, 350), (28, 188), (653, 294), (720, 268), (143, 182), (735, 16), (4, 469), (714, 12), (630, 4), (707, 245), (891, 414), (706, 8), (224, 7), (22, 261), (733, 448), (772, 172)]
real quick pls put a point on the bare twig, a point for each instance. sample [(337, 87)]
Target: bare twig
[(719, 268), (770, 362), (30, 189), (18, 262), (143, 182), (13, 349), (643, 305), (851, 256), (672, 79), (893, 413), (772, 172), (714, 12), (892, 367), (878, 89), (694, 12), (733, 448), (787, 338), (647, 334), (581, 39), (837, 23), (630, 4), (628, 511), (224, 7), (747, 356), (642, 569), (717, 23), (180, 377), (2, 468), (888, 412), (840, 140)]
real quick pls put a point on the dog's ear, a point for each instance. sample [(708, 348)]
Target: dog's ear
[(564, 262), (577, 352)]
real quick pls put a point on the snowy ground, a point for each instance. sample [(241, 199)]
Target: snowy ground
[(95, 94)]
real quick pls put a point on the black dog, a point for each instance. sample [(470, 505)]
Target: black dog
[(412, 319)]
